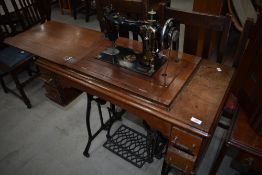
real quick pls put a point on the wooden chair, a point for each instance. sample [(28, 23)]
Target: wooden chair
[(244, 135), (242, 44), (131, 9), (13, 61), (83, 5), (231, 103), (31, 12), (134, 10), (204, 24)]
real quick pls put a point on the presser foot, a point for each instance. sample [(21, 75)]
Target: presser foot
[(111, 51)]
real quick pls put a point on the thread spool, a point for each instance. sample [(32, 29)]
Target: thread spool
[(151, 15)]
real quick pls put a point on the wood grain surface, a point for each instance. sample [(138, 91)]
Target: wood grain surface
[(195, 88)]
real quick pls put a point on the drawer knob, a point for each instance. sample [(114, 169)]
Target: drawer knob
[(182, 147), (49, 80)]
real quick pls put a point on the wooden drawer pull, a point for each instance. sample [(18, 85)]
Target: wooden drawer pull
[(185, 170), (49, 80), (182, 147), (46, 80)]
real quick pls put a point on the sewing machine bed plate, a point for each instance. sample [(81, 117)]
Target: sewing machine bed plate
[(134, 65)]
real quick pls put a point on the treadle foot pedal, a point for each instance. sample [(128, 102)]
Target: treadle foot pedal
[(129, 145)]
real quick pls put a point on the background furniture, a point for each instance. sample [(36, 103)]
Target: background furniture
[(248, 83), (13, 61), (231, 104), (65, 5), (214, 7), (134, 9), (87, 6), (200, 22), (245, 133), (243, 138)]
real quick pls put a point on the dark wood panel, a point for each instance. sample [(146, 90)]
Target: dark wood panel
[(56, 89), (248, 84), (244, 137)]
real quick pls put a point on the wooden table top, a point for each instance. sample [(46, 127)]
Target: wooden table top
[(193, 88)]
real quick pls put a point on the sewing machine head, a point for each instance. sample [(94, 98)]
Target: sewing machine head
[(154, 39)]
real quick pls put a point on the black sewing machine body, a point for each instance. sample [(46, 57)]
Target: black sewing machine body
[(150, 59)]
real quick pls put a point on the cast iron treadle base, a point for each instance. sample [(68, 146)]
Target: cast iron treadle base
[(129, 145)]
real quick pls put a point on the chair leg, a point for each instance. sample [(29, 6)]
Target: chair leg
[(29, 72), (61, 6), (88, 8), (73, 5), (21, 91), (3, 85)]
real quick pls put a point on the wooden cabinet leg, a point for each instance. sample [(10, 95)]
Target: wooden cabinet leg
[(165, 168)]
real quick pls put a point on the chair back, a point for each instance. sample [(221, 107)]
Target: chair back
[(131, 9), (24, 14), (243, 41), (30, 12), (6, 18), (202, 24)]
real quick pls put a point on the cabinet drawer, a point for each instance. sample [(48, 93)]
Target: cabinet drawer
[(53, 93), (180, 160), (160, 125), (45, 73), (55, 89), (185, 141), (48, 77)]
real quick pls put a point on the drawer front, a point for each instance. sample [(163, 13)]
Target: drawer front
[(53, 94), (55, 89), (160, 125), (45, 73), (180, 160), (48, 77), (185, 141)]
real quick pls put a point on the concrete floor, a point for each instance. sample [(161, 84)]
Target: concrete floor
[(49, 139)]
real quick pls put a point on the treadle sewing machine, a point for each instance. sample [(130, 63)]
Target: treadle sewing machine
[(184, 108), (154, 39)]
